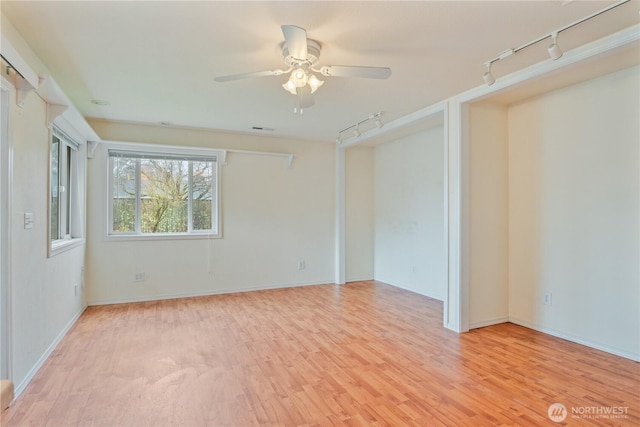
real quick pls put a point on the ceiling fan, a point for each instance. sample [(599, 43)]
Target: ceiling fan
[(301, 55)]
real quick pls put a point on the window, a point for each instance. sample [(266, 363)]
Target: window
[(63, 198), (163, 193)]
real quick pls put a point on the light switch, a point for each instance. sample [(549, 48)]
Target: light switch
[(28, 220)]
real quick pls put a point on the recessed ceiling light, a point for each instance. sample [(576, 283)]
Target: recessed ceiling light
[(100, 102)]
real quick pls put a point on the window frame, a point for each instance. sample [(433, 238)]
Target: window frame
[(69, 209), (188, 153)]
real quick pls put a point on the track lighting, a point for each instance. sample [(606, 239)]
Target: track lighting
[(554, 50), (356, 130), (487, 76)]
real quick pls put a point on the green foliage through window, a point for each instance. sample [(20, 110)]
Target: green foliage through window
[(159, 194)]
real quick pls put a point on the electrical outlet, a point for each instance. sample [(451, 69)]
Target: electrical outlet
[(139, 277), (546, 299), (302, 264), (75, 289)]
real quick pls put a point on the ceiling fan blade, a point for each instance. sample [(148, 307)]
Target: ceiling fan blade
[(354, 71), (305, 97), (248, 75), (296, 40)]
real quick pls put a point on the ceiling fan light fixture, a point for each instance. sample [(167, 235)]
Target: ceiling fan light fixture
[(299, 77), (290, 87), (314, 83), (301, 55)]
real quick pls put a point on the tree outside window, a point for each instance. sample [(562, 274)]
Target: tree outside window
[(160, 194)]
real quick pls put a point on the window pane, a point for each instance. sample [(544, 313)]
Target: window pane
[(202, 195), (55, 188), (164, 196), (66, 179), (157, 193), (124, 195)]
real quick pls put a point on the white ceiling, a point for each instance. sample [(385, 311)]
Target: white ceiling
[(155, 61)]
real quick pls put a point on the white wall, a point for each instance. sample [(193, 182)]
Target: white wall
[(409, 213), (43, 299), (272, 218), (359, 214), (5, 93), (488, 215), (574, 212)]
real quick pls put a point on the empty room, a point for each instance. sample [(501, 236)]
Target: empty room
[(320, 213)]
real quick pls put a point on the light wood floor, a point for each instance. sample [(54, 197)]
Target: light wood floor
[(360, 354)]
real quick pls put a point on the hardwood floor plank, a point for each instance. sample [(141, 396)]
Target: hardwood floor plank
[(361, 354)]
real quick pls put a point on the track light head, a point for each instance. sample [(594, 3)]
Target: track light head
[(487, 76), (554, 50)]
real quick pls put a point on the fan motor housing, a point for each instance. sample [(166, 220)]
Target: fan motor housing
[(313, 54)]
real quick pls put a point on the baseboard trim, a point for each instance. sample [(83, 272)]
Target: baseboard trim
[(34, 370), (426, 294), (492, 322), (577, 340), (355, 279), (203, 293)]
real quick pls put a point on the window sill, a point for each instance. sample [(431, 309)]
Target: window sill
[(61, 246), (157, 237)]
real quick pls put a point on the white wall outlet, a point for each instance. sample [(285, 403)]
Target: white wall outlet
[(546, 299), (139, 277), (75, 289), (302, 264)]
